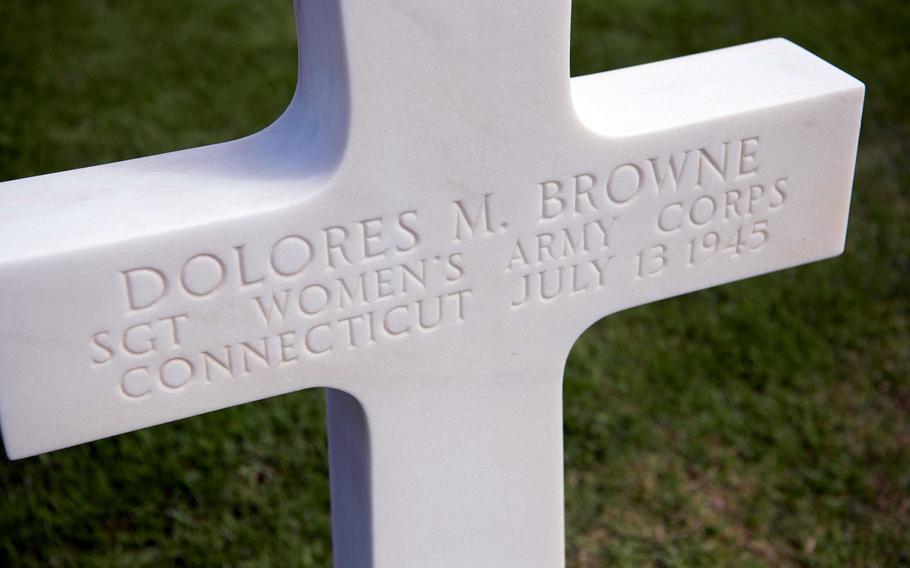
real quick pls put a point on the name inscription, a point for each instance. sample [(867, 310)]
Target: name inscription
[(353, 285)]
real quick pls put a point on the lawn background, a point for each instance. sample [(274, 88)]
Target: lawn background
[(762, 423)]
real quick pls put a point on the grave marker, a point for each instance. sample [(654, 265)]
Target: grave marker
[(425, 231)]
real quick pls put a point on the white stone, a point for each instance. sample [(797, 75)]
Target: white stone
[(426, 231)]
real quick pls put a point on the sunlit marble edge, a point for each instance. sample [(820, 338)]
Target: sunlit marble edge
[(296, 157)]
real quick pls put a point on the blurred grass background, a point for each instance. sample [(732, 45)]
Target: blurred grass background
[(763, 423)]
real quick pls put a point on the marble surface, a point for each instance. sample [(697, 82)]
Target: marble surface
[(425, 231)]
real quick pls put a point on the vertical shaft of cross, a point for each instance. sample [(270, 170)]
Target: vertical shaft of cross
[(430, 71), (464, 473)]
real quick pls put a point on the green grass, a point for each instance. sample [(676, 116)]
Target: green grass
[(763, 423)]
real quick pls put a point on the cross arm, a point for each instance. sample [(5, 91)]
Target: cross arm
[(117, 323), (711, 168)]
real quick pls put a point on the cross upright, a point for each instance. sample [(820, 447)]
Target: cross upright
[(425, 232)]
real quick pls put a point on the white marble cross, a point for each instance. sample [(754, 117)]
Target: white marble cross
[(425, 232)]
